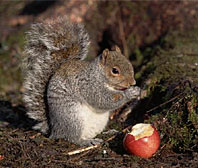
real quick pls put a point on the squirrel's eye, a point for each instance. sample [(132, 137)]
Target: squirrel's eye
[(115, 71)]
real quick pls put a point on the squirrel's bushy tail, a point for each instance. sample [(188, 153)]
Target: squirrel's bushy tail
[(47, 47)]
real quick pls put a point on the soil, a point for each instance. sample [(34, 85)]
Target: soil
[(159, 38)]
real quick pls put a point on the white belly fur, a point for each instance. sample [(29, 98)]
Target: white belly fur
[(93, 123)]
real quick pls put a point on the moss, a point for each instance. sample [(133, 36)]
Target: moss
[(172, 92), (176, 124), (11, 53)]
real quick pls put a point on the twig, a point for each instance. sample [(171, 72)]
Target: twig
[(164, 103), (83, 149)]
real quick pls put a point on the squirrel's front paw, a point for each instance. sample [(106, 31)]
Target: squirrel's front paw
[(133, 92)]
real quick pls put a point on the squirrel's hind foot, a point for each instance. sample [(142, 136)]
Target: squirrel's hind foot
[(90, 142)]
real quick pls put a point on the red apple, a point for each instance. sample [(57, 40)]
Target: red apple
[(143, 140)]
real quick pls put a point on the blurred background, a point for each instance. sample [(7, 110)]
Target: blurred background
[(136, 27)]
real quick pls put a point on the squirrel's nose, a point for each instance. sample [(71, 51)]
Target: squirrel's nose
[(132, 82)]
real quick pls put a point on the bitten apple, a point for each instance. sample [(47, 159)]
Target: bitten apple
[(143, 140)]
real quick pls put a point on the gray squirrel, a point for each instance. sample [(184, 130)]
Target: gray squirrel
[(70, 97)]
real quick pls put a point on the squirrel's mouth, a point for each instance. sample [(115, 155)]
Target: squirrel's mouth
[(122, 89), (115, 87)]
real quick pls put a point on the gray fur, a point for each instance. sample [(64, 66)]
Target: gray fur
[(39, 64), (69, 97)]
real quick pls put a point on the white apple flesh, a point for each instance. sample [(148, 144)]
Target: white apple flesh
[(143, 140)]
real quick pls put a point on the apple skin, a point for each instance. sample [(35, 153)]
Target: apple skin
[(144, 147)]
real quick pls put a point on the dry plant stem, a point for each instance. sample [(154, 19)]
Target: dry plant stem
[(126, 111), (164, 103), (83, 149)]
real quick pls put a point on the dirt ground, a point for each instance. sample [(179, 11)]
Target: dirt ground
[(160, 40)]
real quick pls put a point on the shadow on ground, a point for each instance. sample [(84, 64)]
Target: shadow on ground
[(14, 116)]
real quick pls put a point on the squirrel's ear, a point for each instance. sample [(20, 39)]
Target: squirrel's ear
[(105, 54), (116, 48)]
